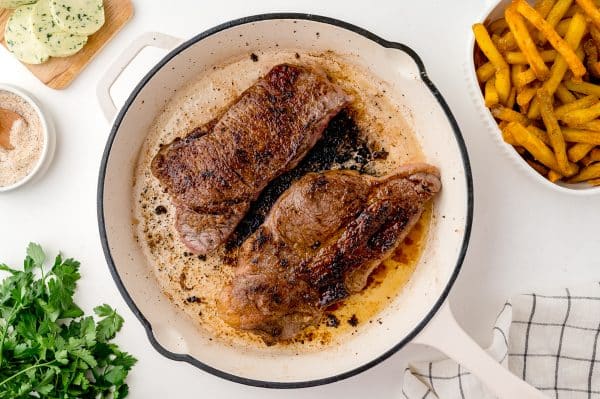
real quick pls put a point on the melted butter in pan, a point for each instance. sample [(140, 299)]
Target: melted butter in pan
[(193, 283)]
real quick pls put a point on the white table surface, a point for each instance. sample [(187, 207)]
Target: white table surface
[(525, 237)]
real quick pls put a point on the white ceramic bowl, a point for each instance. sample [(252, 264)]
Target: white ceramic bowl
[(495, 11), (48, 135)]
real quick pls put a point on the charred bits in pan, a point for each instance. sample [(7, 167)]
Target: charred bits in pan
[(342, 145)]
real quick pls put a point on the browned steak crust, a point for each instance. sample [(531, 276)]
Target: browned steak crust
[(321, 240), (215, 172)]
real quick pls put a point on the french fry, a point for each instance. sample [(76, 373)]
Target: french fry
[(517, 57), (554, 133), (491, 95), (506, 134), (591, 125), (591, 10), (507, 42), (580, 103), (557, 13), (538, 167), (486, 45), (581, 136), (583, 87), (485, 72), (515, 71), (525, 96), (586, 161), (533, 112), (575, 33), (498, 26), (594, 182), (553, 176), (581, 116), (535, 146), (563, 26), (578, 151), (510, 103), (564, 95), (595, 155), (509, 115), (496, 40), (540, 134), (543, 7), (589, 172), (534, 109), (563, 48), (517, 26), (524, 78), (503, 83)]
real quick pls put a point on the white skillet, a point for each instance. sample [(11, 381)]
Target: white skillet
[(410, 318)]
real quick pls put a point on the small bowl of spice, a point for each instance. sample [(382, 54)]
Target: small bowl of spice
[(27, 138)]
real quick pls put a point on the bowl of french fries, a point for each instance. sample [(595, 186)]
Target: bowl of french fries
[(536, 65)]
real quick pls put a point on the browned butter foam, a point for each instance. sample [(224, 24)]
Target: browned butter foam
[(193, 283)]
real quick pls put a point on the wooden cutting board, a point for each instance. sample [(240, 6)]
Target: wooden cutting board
[(58, 73)]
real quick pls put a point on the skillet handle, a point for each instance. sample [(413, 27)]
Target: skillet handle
[(153, 39), (444, 334)]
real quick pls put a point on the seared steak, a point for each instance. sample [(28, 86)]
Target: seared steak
[(321, 240), (214, 173)]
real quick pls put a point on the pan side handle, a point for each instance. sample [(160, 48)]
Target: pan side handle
[(445, 334), (148, 39)]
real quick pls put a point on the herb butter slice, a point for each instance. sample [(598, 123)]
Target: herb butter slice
[(81, 17), (20, 39), (14, 3), (58, 42)]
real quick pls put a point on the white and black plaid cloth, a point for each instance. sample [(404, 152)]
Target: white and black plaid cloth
[(551, 340)]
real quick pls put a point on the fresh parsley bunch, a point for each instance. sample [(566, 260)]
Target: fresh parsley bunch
[(48, 348)]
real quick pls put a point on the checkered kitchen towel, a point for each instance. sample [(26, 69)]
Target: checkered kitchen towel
[(551, 340)]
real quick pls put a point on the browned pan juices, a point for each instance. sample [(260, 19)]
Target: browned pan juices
[(193, 283)]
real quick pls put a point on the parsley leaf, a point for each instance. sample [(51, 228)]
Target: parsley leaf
[(36, 253), (110, 323), (47, 348)]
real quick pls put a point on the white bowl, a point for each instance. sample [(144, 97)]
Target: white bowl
[(496, 11), (48, 135)]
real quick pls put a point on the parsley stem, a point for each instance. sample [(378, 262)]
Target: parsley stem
[(26, 370)]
